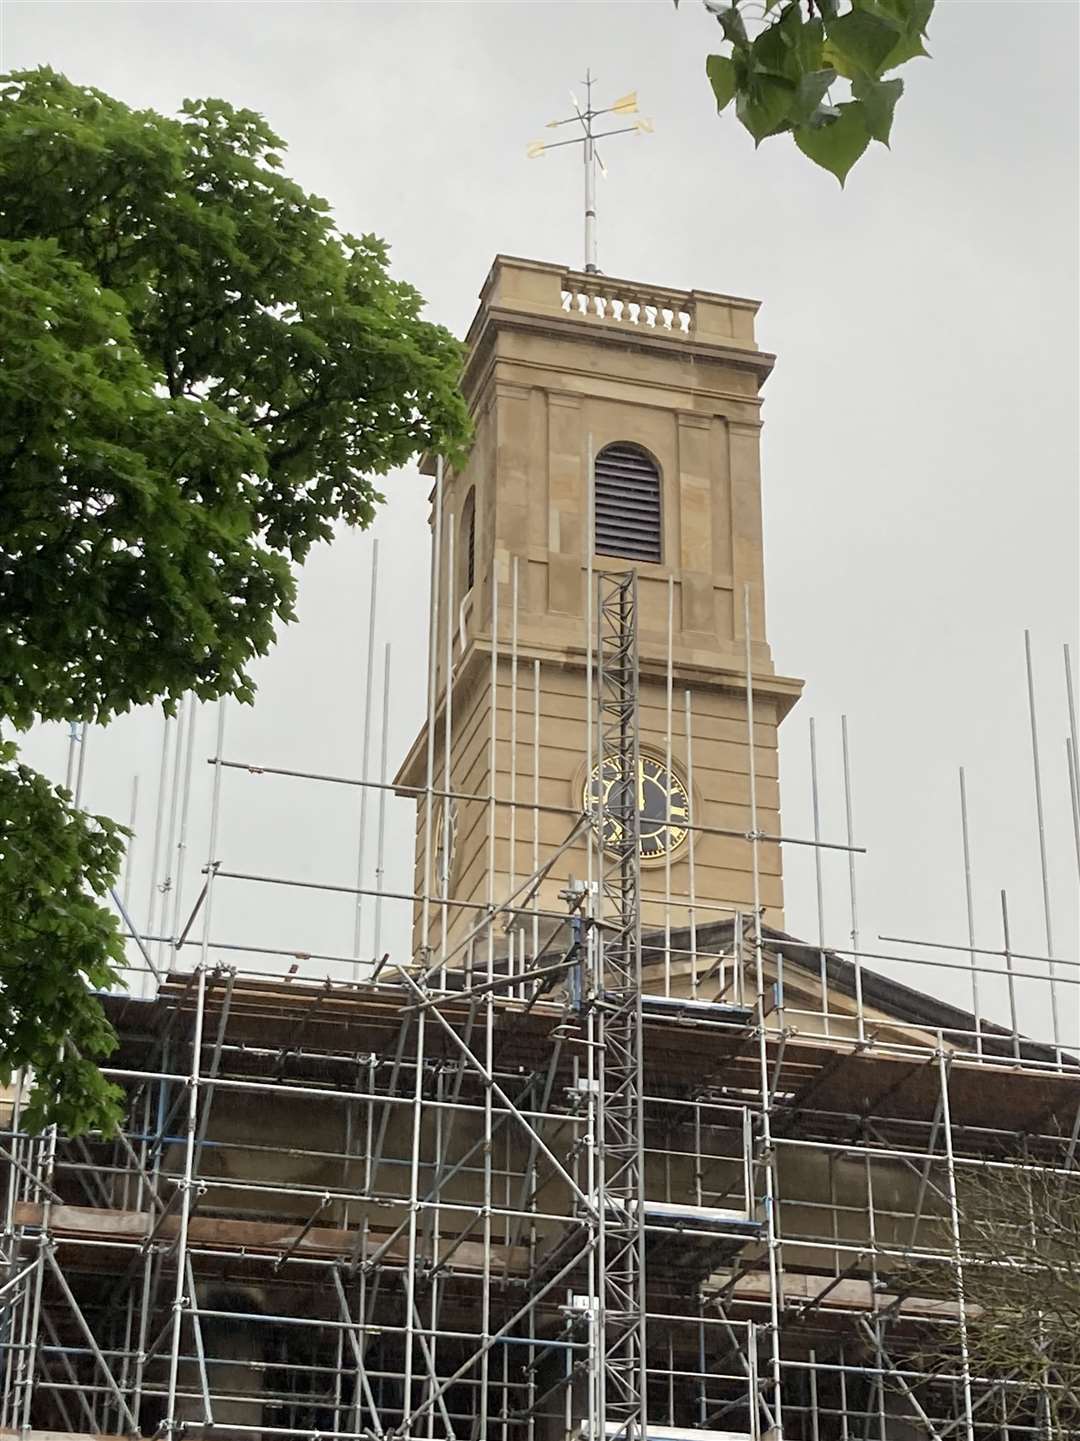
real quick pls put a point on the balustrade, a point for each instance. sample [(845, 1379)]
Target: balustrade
[(613, 301)]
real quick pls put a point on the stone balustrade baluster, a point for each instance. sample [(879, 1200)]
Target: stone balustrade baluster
[(614, 304)]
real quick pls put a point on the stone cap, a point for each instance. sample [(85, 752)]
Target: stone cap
[(540, 288)]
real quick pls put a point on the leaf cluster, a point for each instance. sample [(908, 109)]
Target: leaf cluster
[(784, 78), (200, 378), (56, 940)]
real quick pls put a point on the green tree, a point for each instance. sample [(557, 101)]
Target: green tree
[(819, 71), (200, 375)]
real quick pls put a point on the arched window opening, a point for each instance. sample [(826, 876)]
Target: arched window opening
[(467, 541), (627, 503)]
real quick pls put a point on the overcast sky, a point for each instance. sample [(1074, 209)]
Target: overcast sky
[(920, 444)]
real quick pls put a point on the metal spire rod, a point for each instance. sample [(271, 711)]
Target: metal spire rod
[(589, 155), (625, 105)]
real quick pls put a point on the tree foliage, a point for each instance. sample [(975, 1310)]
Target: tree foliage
[(1020, 1248), (819, 71), (200, 376), (55, 940)]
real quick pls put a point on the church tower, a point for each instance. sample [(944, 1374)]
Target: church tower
[(660, 389)]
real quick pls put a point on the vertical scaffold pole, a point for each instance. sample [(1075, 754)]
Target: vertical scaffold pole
[(365, 752), (944, 1061), (1055, 1017), (173, 1424), (768, 1155), (621, 1129)]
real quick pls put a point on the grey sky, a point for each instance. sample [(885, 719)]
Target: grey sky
[(921, 425)]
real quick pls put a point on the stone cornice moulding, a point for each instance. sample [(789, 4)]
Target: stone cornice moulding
[(474, 667), (603, 387), (613, 335)]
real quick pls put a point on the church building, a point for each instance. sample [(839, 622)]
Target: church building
[(607, 1153)]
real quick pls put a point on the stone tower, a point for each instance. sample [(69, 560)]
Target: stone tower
[(561, 362)]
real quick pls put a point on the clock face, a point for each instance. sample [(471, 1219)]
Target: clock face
[(444, 829), (663, 804)]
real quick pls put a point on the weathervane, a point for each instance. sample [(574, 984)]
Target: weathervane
[(625, 105)]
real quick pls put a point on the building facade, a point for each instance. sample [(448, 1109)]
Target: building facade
[(608, 1153), (572, 381)]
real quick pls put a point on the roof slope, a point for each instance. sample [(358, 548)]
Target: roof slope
[(903, 1003)]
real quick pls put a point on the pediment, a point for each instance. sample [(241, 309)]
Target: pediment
[(814, 991)]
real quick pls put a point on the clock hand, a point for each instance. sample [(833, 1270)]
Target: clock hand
[(641, 787)]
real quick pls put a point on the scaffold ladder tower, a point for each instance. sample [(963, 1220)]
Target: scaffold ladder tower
[(622, 1398)]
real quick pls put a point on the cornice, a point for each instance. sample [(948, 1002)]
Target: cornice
[(614, 335), (726, 400), (782, 691)]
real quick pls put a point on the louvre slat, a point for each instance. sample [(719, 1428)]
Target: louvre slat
[(618, 536), (629, 479), (614, 542), (638, 490), (637, 503), (627, 503), (612, 510), (647, 510), (627, 467), (635, 537)]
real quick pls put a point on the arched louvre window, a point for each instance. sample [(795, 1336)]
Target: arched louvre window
[(627, 503), (468, 541)]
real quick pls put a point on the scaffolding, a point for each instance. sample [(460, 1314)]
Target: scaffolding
[(560, 1179)]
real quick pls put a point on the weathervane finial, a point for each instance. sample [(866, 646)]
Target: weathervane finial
[(625, 105)]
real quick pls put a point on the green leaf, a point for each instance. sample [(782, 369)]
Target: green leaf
[(908, 47), (731, 22), (763, 108), (808, 43), (912, 16), (721, 72), (835, 145), (810, 93), (879, 99), (860, 43), (771, 49)]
